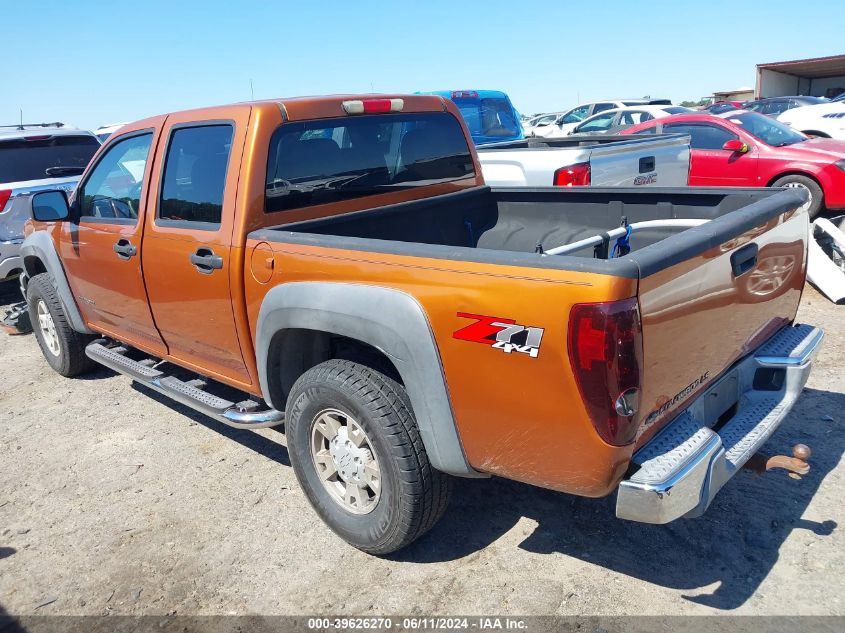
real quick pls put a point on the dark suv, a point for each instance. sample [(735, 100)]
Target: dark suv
[(34, 157), (773, 106)]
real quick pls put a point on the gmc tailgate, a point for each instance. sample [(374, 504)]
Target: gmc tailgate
[(722, 362), (614, 161)]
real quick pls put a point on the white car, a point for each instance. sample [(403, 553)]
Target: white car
[(105, 131), (620, 118), (825, 120), (569, 119), (529, 126)]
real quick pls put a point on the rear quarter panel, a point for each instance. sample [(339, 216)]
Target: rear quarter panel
[(517, 416)]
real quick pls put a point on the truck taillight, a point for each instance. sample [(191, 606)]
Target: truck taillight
[(577, 175), (606, 353), (373, 106), (5, 194)]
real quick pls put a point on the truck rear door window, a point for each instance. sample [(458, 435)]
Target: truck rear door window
[(195, 174), (43, 155), (319, 162)]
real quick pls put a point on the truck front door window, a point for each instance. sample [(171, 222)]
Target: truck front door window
[(195, 175), (113, 189)]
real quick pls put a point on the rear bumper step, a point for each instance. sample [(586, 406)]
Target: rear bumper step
[(683, 467), (213, 406)]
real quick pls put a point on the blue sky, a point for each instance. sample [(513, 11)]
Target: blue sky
[(89, 62)]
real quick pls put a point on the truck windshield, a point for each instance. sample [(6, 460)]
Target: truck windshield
[(323, 161), (768, 130), (490, 120), (44, 156)]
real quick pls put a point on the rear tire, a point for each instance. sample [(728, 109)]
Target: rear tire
[(398, 495), (62, 346), (816, 203)]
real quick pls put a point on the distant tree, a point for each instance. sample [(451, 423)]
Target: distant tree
[(695, 104)]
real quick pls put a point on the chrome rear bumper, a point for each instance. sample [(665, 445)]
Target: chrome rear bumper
[(683, 467)]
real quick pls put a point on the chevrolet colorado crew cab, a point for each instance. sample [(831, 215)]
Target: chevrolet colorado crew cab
[(338, 266)]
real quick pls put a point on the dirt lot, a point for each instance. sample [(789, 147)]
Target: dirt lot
[(113, 501)]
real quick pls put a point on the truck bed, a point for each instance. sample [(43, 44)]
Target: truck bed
[(506, 225)]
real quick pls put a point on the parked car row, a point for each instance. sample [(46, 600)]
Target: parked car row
[(567, 121), (789, 141), (746, 149)]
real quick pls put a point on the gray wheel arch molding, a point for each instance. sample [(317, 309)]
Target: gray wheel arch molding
[(40, 245), (392, 322)]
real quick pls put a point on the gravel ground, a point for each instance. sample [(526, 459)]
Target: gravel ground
[(114, 500)]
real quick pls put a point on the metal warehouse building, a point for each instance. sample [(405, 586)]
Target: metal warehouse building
[(820, 77)]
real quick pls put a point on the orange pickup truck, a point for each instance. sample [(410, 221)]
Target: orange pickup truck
[(337, 265)]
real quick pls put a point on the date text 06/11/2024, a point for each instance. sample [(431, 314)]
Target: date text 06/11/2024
[(417, 623)]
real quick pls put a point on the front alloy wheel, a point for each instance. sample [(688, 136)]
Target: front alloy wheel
[(48, 329)]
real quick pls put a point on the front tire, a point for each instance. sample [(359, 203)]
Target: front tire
[(62, 346), (816, 202), (358, 455)]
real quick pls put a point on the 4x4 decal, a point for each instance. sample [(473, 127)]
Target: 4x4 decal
[(504, 334)]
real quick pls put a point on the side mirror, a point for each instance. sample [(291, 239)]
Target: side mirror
[(735, 145), (50, 206)]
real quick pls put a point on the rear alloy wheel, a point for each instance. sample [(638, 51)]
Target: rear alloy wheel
[(358, 455), (816, 196), (345, 461)]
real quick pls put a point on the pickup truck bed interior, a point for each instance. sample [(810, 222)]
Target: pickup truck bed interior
[(515, 221)]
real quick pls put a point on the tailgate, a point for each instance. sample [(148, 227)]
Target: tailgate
[(657, 161), (711, 295)]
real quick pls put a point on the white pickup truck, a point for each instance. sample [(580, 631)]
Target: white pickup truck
[(606, 160)]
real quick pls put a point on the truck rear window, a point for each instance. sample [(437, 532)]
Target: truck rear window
[(22, 159), (319, 162)]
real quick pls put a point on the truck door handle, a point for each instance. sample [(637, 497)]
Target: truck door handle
[(205, 261), (646, 164), (744, 259), (125, 249)]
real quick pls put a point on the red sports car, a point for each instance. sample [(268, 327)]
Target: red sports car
[(746, 149)]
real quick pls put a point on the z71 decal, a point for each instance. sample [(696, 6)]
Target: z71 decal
[(503, 334)]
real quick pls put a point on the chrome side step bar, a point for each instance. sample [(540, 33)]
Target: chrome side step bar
[(222, 410)]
